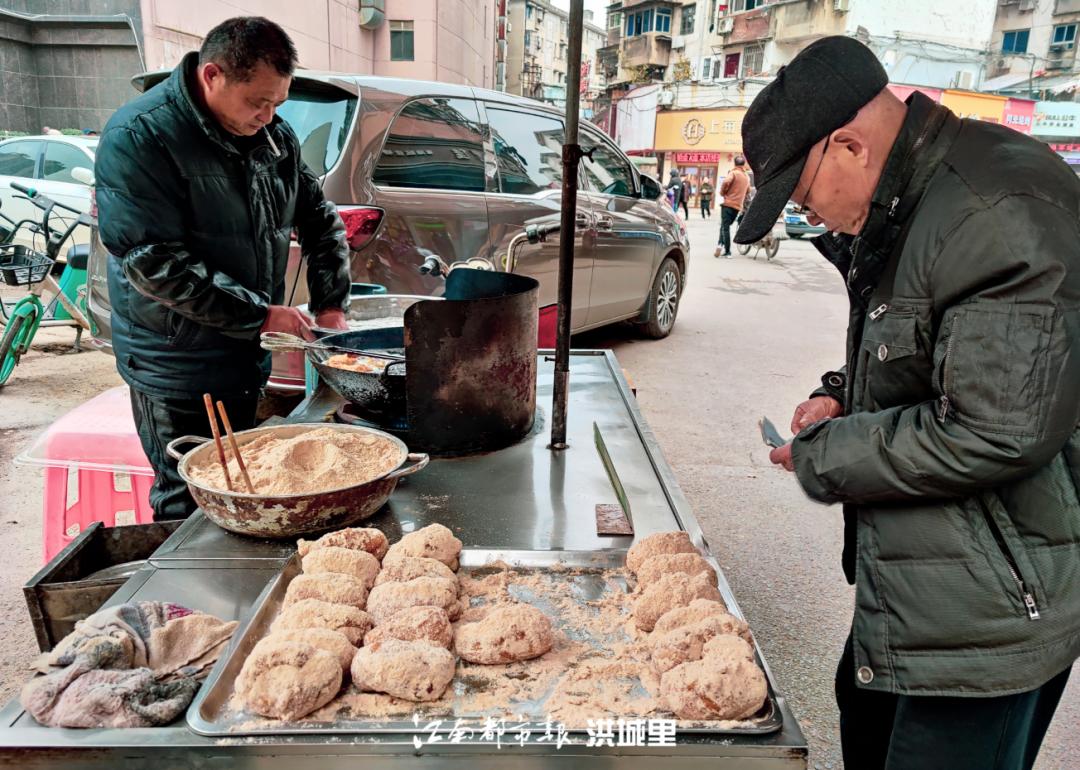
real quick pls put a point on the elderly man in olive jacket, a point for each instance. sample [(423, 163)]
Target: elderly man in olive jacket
[(199, 189), (951, 435)]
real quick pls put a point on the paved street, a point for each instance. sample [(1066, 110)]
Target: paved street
[(751, 340)]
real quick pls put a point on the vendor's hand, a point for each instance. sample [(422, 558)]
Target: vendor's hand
[(782, 456), (813, 410), (332, 318), (291, 320)]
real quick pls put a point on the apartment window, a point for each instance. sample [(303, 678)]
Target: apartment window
[(434, 143), (614, 20), (688, 13), (401, 41), (706, 68), (1015, 41), (663, 20), (648, 21), (717, 68), (528, 11), (746, 5), (528, 38), (1064, 33), (752, 60)]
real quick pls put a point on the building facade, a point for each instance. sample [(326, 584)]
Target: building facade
[(537, 49), (68, 63), (1033, 49)]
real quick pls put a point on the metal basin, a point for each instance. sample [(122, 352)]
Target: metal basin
[(291, 515)]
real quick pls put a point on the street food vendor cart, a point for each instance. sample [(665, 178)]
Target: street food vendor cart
[(522, 499)]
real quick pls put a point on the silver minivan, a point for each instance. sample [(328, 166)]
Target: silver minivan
[(420, 168)]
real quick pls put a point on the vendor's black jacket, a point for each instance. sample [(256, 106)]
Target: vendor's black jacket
[(198, 226), (958, 457)]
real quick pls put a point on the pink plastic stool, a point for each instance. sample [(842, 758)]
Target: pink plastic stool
[(97, 441)]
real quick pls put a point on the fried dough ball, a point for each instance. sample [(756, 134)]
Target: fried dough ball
[(656, 545), (287, 680), (315, 613), (674, 590), (505, 633), (355, 538), (415, 624), (343, 561), (328, 587), (433, 542), (389, 599), (398, 569), (415, 671)]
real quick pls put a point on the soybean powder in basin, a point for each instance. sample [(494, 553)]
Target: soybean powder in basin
[(317, 460)]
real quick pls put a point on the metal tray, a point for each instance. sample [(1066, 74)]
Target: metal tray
[(587, 575)]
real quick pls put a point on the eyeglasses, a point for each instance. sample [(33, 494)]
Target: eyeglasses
[(802, 208)]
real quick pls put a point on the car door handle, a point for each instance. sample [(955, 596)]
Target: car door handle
[(605, 223)]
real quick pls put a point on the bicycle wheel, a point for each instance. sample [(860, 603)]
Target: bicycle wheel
[(744, 248), (17, 337), (772, 248)]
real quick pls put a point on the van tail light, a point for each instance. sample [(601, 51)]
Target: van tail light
[(361, 224), (93, 203)]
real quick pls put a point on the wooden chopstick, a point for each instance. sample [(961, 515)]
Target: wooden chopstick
[(217, 438), (235, 447)]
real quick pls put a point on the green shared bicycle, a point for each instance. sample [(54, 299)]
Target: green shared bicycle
[(24, 266)]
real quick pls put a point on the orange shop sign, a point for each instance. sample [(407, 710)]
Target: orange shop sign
[(968, 104), (699, 130)]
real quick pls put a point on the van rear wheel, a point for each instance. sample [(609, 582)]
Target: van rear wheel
[(664, 300)]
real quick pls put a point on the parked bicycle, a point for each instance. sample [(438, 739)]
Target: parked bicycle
[(22, 265)]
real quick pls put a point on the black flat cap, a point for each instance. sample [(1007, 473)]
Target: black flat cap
[(820, 91)]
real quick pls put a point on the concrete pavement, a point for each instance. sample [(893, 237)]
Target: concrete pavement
[(752, 339)]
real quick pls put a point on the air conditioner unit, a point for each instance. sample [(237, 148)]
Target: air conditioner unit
[(665, 98), (840, 6), (726, 25)]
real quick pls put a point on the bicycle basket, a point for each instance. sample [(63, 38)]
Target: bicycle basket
[(21, 266)]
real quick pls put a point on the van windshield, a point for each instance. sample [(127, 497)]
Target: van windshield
[(321, 120)]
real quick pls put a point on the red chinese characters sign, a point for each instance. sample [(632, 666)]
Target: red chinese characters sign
[(701, 158)]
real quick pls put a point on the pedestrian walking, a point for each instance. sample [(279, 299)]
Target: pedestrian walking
[(950, 436), (706, 194), (733, 190), (675, 186), (684, 198)]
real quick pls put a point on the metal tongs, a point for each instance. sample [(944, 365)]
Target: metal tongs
[(281, 341)]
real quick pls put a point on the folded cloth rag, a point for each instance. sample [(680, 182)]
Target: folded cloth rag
[(133, 665)]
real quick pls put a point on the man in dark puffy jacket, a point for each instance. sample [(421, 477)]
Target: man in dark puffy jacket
[(199, 188), (951, 435)]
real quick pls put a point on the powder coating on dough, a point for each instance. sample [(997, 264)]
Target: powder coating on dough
[(655, 545), (398, 569), (724, 684), (287, 680), (343, 561), (357, 538), (326, 639), (328, 587), (433, 542), (315, 613), (415, 671), (653, 568), (389, 599), (674, 590), (415, 624), (505, 633)]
